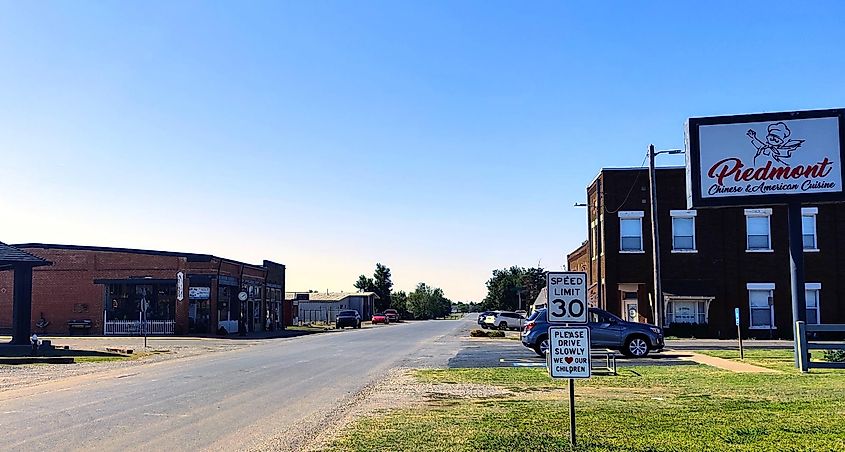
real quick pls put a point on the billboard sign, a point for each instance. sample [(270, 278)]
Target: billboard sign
[(764, 159)]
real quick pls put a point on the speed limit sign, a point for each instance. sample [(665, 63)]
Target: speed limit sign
[(567, 302)]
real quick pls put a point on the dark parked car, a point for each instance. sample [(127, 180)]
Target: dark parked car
[(392, 315), (481, 318), (606, 331), (348, 318)]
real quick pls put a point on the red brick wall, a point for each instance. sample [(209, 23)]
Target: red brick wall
[(67, 287)]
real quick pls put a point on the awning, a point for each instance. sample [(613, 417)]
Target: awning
[(689, 288), (135, 281)]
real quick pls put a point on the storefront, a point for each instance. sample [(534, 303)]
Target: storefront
[(138, 305), (119, 291)]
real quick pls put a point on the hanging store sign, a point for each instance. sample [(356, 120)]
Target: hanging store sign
[(769, 158), (180, 286)]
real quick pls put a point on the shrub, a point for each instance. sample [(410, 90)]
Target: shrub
[(482, 333), (835, 356), (695, 330)]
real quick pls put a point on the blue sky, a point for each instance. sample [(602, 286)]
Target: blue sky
[(444, 139)]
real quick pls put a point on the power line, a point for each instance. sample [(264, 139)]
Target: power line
[(631, 190)]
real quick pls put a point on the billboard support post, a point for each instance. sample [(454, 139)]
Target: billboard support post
[(796, 272)]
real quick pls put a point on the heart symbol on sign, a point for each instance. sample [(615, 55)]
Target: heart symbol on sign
[(568, 360)]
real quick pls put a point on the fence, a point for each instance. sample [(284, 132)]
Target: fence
[(325, 315), (804, 363), (134, 327)]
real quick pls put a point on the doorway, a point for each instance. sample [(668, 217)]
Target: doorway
[(630, 306)]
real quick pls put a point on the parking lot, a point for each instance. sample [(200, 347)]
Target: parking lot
[(511, 353)]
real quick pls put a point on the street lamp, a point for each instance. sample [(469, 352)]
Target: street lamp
[(655, 242)]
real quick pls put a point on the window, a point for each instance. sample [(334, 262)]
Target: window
[(808, 226), (683, 230), (811, 292), (686, 311), (758, 230), (631, 231), (760, 300)]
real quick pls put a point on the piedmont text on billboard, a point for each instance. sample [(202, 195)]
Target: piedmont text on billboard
[(779, 155)]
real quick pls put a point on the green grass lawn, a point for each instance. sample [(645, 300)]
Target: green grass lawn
[(671, 408)]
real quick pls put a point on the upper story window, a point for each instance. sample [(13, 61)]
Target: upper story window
[(758, 229), (808, 226), (631, 231), (683, 230)]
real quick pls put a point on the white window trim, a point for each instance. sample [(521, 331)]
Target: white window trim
[(759, 213), (818, 288), (811, 212), (632, 215), (761, 286), (628, 214), (684, 214)]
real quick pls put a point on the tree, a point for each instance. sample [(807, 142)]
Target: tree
[(365, 284), (399, 302), (426, 302), (382, 286), (509, 285)]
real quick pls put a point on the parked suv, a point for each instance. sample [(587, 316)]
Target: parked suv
[(482, 318), (347, 318), (504, 320), (606, 331), (392, 315)]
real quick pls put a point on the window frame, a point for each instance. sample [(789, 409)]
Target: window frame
[(760, 287), (810, 212), (817, 288), (630, 216), (684, 214), (759, 213)]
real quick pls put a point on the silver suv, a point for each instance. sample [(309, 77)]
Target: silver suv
[(504, 320)]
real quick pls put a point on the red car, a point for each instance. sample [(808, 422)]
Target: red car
[(380, 318)]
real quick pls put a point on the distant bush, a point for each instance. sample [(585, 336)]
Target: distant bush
[(835, 356), (482, 333), (696, 330)]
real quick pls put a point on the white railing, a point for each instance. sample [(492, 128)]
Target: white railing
[(133, 327)]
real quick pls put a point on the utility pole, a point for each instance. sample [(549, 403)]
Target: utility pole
[(655, 233), (655, 240)]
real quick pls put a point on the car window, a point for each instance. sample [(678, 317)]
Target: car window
[(348, 312), (536, 314)]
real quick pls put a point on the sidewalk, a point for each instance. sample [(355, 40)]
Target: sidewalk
[(726, 364)]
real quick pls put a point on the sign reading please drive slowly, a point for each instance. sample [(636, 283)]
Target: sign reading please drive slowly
[(569, 352), (768, 158)]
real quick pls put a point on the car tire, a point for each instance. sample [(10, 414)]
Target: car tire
[(542, 346), (503, 326), (636, 346), (358, 326)]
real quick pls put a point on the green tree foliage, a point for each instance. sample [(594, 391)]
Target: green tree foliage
[(382, 286), (399, 302), (427, 302), (507, 285), (365, 284)]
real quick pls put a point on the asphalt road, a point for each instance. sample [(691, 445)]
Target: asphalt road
[(221, 401)]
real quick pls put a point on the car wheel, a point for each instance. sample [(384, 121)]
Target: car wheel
[(358, 325), (503, 326), (542, 346), (636, 347)]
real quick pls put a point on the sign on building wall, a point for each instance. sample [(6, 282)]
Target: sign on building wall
[(199, 293), (769, 158), (180, 286)]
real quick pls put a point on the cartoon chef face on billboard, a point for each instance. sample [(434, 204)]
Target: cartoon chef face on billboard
[(777, 146)]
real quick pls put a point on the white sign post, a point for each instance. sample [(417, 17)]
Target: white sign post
[(568, 355), (180, 286)]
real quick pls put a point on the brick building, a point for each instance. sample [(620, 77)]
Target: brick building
[(108, 288), (712, 260)]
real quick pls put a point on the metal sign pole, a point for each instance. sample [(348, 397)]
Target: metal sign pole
[(572, 412), (739, 334), (796, 272)]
